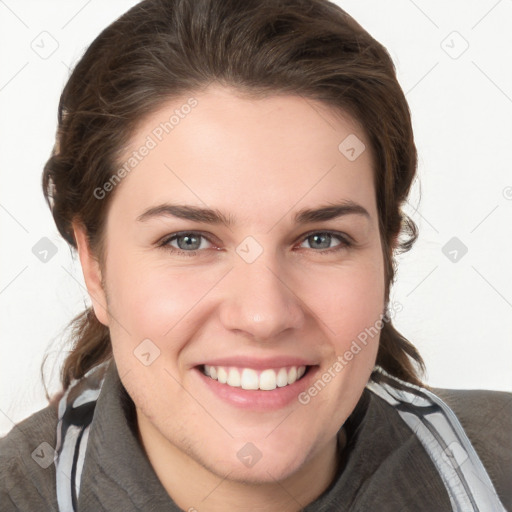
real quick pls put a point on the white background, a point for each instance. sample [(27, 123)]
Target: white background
[(459, 314)]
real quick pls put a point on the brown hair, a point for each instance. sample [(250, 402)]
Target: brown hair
[(165, 49)]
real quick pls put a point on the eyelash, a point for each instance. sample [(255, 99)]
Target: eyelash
[(345, 243)]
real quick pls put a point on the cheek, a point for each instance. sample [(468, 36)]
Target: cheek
[(150, 299), (348, 301), (164, 304)]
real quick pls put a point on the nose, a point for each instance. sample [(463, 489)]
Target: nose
[(260, 300)]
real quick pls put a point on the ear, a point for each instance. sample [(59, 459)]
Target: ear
[(92, 274)]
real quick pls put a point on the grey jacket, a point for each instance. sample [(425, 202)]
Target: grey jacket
[(384, 466)]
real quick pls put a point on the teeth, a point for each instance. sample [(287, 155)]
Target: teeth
[(282, 377), (292, 375), (222, 375), (233, 378), (248, 378), (268, 380)]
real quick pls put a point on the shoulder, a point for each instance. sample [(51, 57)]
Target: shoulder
[(486, 417), (27, 473)]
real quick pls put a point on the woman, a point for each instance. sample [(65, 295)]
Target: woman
[(228, 362)]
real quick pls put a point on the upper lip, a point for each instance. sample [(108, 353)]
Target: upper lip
[(257, 363)]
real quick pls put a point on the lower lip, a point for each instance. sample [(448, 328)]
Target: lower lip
[(256, 399)]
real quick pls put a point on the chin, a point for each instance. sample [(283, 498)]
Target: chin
[(263, 472), (252, 465)]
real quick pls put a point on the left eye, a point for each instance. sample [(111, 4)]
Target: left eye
[(322, 240)]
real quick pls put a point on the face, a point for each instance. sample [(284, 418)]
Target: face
[(233, 308)]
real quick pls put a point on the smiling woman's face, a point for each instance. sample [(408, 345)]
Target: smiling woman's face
[(257, 295)]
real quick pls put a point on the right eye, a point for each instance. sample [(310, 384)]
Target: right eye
[(186, 242)]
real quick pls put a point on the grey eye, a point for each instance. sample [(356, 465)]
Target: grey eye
[(188, 241), (320, 240)]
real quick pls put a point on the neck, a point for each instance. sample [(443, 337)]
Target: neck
[(193, 487)]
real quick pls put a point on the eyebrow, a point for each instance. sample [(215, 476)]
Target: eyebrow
[(214, 216)]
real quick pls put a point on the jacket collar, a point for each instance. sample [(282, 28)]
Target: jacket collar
[(381, 457), (117, 474)]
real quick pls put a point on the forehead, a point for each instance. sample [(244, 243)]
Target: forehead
[(220, 149)]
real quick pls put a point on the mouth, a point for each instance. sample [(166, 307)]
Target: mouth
[(256, 384), (251, 379)]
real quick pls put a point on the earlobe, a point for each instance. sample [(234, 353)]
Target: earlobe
[(92, 273)]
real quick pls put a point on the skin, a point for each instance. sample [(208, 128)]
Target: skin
[(260, 161)]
